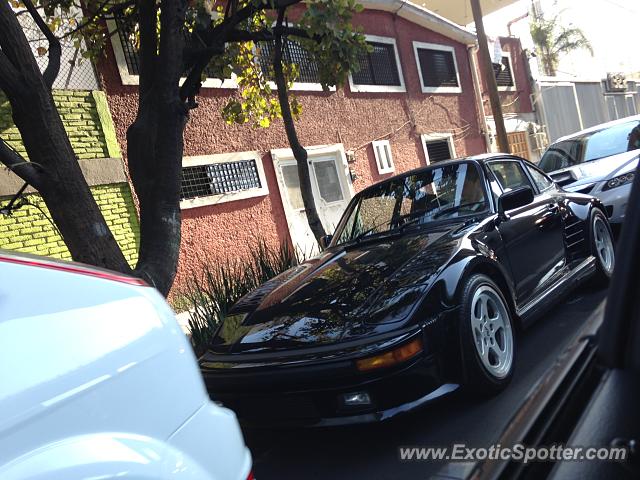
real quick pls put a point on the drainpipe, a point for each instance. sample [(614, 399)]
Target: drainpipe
[(471, 52)]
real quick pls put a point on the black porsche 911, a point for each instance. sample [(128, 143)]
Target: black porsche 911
[(421, 291)]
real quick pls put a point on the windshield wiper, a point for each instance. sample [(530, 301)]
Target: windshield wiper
[(456, 208)]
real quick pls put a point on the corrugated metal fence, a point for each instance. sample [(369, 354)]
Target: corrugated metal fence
[(572, 106)]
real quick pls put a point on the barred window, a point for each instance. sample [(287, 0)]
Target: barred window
[(378, 67), (126, 26), (504, 75), (437, 67), (126, 32), (292, 52), (219, 178)]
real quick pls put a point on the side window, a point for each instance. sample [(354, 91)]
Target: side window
[(510, 175), (541, 180)]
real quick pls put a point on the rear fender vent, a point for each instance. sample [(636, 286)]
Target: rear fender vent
[(575, 238)]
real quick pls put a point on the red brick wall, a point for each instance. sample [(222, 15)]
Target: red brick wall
[(354, 119)]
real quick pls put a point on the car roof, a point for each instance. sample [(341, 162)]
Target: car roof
[(598, 127), (479, 159)]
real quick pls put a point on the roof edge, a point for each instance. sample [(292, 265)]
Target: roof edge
[(425, 18)]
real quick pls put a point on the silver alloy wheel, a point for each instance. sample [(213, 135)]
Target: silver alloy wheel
[(604, 244), (492, 332)]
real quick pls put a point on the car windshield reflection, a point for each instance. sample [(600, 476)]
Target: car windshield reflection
[(440, 193)]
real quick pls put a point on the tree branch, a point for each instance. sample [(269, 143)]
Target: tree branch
[(55, 50), (299, 152), (18, 165)]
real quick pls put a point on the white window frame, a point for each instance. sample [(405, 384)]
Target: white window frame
[(435, 137), (129, 79), (382, 88), (383, 145), (231, 196), (513, 77), (443, 48)]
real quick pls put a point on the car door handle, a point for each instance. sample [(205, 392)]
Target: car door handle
[(552, 209)]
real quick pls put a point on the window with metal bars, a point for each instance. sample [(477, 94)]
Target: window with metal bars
[(378, 67), (437, 68), (293, 53), (219, 178), (438, 150), (504, 76), (126, 26)]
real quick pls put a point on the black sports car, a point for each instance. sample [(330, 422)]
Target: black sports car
[(420, 291)]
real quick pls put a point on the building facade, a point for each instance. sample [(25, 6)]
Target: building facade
[(413, 102)]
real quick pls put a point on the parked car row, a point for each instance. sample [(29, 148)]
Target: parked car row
[(422, 290)]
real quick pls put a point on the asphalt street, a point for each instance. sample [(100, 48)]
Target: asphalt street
[(371, 451)]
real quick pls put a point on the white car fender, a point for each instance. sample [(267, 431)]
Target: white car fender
[(105, 456)]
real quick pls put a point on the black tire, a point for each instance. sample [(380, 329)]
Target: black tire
[(604, 271), (477, 378)]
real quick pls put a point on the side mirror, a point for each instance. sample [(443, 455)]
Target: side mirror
[(513, 199), (325, 241)]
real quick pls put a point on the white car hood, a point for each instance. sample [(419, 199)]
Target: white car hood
[(599, 170)]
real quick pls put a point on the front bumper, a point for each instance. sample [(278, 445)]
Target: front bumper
[(312, 393), (615, 201)]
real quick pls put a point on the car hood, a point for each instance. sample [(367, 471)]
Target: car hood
[(344, 293), (596, 170)]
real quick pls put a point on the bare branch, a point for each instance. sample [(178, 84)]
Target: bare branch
[(18, 165), (55, 50)]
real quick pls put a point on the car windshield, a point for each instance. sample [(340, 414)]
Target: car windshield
[(592, 146), (439, 193)]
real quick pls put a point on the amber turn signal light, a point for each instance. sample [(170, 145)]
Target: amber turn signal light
[(393, 357)]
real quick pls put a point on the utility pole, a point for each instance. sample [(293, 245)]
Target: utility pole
[(486, 66)]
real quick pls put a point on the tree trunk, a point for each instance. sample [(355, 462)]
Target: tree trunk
[(299, 153), (155, 143)]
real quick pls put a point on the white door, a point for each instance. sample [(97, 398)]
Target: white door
[(332, 190)]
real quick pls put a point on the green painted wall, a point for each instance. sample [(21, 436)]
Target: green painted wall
[(81, 121), (29, 230), (88, 123)]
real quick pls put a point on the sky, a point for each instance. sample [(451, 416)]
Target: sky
[(612, 27)]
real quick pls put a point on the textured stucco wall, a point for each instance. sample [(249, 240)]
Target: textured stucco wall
[(519, 100), (353, 119)]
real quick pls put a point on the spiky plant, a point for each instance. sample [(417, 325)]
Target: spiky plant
[(211, 293), (552, 39)]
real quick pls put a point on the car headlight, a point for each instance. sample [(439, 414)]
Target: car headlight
[(619, 181)]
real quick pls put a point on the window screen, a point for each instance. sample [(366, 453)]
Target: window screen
[(328, 181), (438, 150), (378, 67), (292, 184), (437, 67), (219, 178), (504, 77)]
